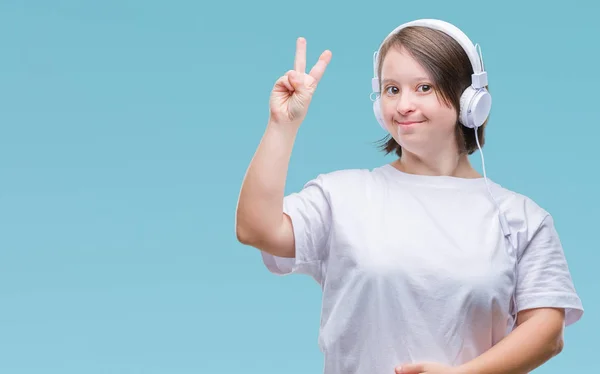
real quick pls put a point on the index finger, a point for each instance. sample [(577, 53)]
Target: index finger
[(317, 71), (300, 61)]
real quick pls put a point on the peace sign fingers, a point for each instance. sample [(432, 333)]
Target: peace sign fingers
[(292, 93), (300, 61), (319, 69)]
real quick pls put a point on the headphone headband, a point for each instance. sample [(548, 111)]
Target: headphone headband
[(479, 77), (475, 100)]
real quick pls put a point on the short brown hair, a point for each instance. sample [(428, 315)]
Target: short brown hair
[(450, 69)]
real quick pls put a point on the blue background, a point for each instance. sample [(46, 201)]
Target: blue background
[(125, 131)]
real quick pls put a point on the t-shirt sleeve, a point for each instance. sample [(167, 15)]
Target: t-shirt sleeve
[(543, 275), (310, 213)]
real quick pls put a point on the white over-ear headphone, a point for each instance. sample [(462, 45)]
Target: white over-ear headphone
[(475, 101)]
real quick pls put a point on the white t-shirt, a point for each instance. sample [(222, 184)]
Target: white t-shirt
[(416, 268)]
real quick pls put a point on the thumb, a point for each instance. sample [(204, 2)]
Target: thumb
[(297, 81)]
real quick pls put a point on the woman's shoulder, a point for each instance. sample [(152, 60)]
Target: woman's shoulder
[(525, 214), (515, 199), (350, 179)]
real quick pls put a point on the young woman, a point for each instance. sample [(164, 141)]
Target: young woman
[(425, 265)]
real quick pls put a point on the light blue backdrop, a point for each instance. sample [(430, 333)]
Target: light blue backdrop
[(126, 129)]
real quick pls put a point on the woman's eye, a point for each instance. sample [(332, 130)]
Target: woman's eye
[(392, 90), (424, 88)]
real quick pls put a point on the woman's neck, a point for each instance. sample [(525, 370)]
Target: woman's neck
[(457, 166)]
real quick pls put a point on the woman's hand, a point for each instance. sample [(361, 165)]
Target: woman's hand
[(425, 368), (292, 93)]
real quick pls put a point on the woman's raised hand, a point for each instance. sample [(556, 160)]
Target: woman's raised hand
[(292, 93)]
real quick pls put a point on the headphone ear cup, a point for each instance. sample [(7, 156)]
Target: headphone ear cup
[(377, 112), (475, 105), (465, 99)]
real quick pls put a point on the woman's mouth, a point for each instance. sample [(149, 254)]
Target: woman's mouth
[(406, 123)]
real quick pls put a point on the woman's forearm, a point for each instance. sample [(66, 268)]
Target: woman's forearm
[(537, 339)]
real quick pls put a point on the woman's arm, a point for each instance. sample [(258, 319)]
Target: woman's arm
[(537, 338)]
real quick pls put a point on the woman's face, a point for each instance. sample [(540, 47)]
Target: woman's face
[(413, 113)]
